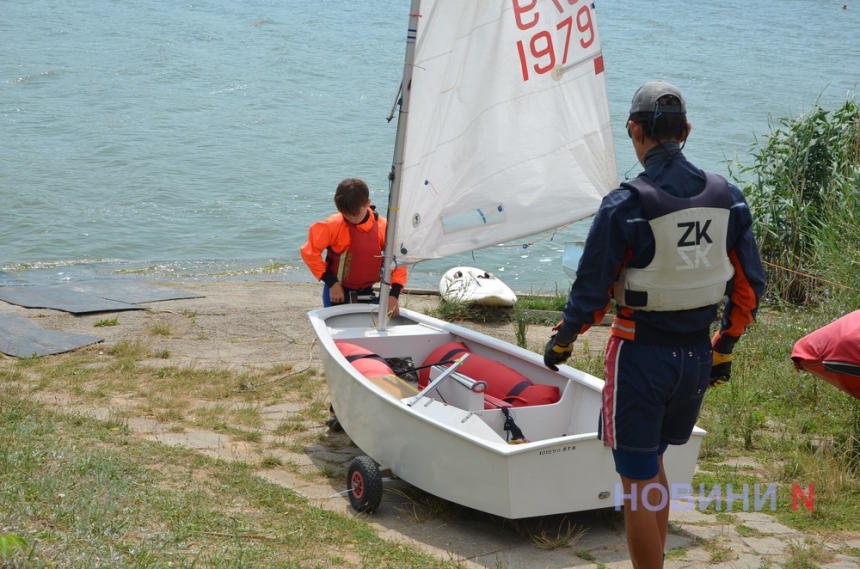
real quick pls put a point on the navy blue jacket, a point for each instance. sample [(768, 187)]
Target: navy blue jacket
[(621, 236)]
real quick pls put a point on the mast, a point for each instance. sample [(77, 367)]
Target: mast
[(395, 183)]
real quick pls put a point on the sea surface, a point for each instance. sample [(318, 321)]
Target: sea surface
[(199, 139)]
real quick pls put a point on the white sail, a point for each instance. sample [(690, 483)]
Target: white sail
[(508, 125)]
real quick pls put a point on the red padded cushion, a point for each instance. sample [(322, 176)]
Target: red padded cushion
[(502, 382), (366, 362)]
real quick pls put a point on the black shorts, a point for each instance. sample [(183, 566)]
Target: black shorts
[(651, 398)]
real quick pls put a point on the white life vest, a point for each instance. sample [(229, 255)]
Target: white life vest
[(691, 266)]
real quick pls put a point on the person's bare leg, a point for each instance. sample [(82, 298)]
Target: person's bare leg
[(663, 513), (642, 519)]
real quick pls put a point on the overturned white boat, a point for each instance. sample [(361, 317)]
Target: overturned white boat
[(503, 133), (471, 285)]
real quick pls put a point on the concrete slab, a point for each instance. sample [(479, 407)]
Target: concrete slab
[(66, 300), (22, 339), (126, 290)]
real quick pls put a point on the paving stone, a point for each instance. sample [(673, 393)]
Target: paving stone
[(681, 564), (842, 562), (699, 557), (335, 457), (769, 526), (766, 545), (143, 425), (296, 458), (190, 439), (618, 565), (673, 541), (684, 514), (742, 463), (599, 541), (748, 517), (708, 532), (284, 409), (752, 560), (616, 559)]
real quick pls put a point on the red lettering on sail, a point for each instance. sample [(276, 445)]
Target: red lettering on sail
[(539, 54)]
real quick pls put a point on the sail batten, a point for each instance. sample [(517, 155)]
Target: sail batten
[(508, 126)]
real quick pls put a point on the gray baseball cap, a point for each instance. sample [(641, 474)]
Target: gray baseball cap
[(645, 99)]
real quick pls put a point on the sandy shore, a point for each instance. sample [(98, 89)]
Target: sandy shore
[(238, 324)]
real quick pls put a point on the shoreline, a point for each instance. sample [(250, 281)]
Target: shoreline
[(252, 269)]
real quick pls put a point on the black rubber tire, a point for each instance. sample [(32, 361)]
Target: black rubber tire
[(364, 484)]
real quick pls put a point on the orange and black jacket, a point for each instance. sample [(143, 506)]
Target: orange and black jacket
[(332, 235)]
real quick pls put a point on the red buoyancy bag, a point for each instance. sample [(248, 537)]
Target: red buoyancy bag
[(833, 353), (502, 382), (365, 361)]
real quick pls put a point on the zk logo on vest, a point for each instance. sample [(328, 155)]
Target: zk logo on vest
[(690, 245)]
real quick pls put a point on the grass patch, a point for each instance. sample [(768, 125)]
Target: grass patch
[(527, 309), (792, 428), (160, 328), (106, 322), (220, 400), (79, 494)]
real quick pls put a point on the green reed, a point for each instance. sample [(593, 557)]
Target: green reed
[(802, 189)]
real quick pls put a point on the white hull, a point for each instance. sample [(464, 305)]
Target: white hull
[(475, 286), (457, 450)]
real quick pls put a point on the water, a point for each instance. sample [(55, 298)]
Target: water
[(199, 140)]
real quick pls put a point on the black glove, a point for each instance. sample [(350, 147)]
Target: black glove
[(721, 370), (559, 348)]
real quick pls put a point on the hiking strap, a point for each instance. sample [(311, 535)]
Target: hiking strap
[(518, 388), (354, 357), (450, 355)]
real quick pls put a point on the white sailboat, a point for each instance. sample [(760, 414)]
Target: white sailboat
[(503, 132)]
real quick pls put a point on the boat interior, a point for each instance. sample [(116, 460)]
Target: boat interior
[(571, 412)]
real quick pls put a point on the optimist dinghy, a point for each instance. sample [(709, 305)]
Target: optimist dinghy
[(503, 132), (475, 286)]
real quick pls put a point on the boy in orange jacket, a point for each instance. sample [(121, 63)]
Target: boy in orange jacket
[(353, 241)]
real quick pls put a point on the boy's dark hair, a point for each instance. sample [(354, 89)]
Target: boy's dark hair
[(668, 125), (351, 195)]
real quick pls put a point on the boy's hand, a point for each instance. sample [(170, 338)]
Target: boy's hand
[(393, 306), (336, 293)]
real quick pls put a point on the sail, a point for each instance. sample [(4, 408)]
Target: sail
[(508, 130)]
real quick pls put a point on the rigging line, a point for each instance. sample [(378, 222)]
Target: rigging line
[(530, 243), (807, 275)]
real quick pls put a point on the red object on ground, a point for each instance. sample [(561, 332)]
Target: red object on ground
[(833, 353)]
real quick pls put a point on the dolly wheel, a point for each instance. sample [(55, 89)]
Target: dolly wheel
[(364, 483)]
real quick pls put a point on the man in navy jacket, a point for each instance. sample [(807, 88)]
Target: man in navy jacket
[(667, 247)]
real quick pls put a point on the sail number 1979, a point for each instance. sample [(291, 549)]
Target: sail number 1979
[(539, 53)]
